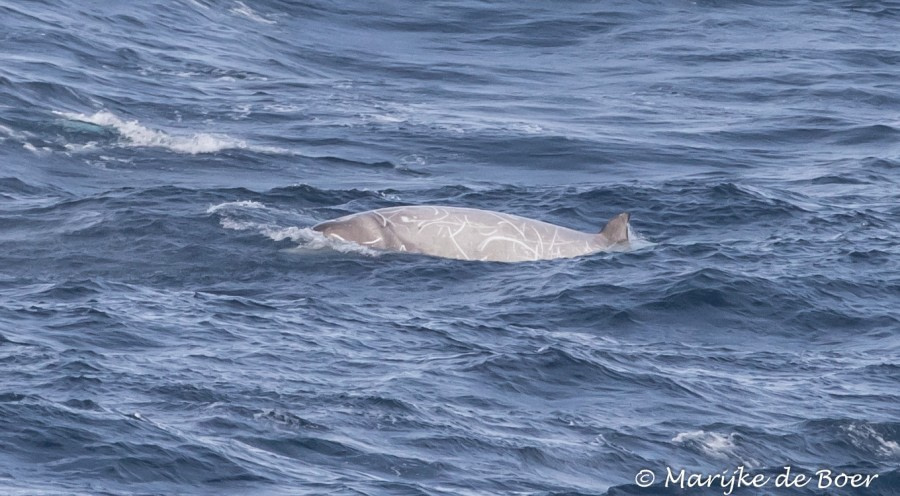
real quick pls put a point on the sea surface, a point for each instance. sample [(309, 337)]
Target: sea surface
[(170, 324)]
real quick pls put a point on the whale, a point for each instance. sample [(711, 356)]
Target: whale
[(472, 234)]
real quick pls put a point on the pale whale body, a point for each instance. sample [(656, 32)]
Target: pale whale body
[(471, 234)]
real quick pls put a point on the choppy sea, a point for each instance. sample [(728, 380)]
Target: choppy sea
[(169, 324)]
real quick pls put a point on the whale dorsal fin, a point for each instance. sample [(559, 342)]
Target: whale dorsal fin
[(616, 230)]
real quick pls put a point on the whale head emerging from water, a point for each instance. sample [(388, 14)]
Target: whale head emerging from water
[(472, 234)]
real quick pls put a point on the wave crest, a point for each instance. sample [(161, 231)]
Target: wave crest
[(255, 216), (139, 135)]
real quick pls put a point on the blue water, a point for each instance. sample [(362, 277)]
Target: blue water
[(170, 325)]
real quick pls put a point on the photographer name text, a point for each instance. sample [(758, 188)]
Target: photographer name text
[(728, 481)]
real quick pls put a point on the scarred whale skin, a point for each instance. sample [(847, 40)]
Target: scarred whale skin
[(471, 234)]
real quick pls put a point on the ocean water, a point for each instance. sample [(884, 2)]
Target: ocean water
[(169, 324)]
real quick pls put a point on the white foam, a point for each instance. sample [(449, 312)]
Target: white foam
[(11, 133), (305, 237), (244, 10), (236, 204), (464, 122), (76, 147), (37, 151), (139, 135), (712, 443), (636, 241), (527, 127), (21, 137), (863, 436), (282, 108)]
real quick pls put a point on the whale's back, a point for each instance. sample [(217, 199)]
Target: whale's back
[(468, 234)]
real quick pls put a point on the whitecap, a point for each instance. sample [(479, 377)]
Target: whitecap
[(245, 215), (79, 147), (139, 135), (386, 118), (37, 151), (714, 444), (244, 10), (21, 136), (235, 204), (864, 437), (306, 238), (636, 241)]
